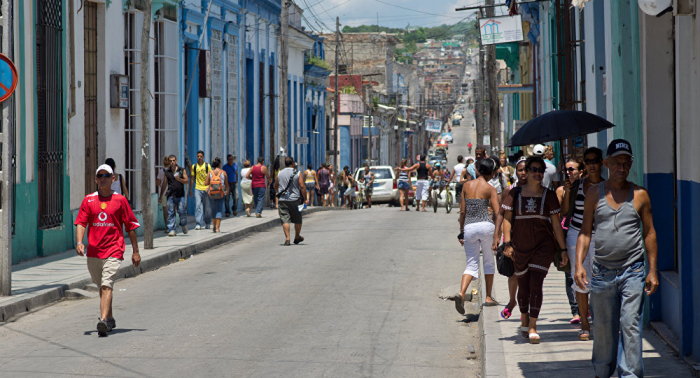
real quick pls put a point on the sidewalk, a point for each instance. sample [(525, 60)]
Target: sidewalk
[(44, 280), (561, 354)]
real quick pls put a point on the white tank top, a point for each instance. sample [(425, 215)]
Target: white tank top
[(458, 170)]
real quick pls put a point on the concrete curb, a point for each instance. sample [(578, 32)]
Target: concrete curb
[(493, 363), (30, 301)]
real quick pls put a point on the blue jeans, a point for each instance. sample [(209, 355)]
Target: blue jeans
[(258, 199), (202, 211), (179, 205), (617, 298)]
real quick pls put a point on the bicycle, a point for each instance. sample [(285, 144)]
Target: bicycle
[(448, 198), (360, 194), (434, 196)]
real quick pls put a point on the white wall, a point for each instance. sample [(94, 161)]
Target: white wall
[(688, 97)]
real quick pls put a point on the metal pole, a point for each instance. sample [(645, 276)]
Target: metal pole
[(491, 76), (146, 211), (284, 94), (336, 154), (7, 168)]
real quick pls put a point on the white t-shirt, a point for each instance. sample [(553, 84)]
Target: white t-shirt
[(244, 172), (458, 170), (550, 175)]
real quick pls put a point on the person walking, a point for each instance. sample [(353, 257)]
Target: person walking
[(163, 200), (291, 191), (369, 185), (476, 231), (258, 174), (106, 215), (624, 230), (521, 174), (551, 178), (574, 170), (457, 175), (340, 182), (324, 182), (506, 170), (423, 171), (533, 235), (311, 184), (575, 195), (175, 181), (118, 184), (217, 189), (198, 190), (404, 184), (246, 191), (479, 154), (231, 169)]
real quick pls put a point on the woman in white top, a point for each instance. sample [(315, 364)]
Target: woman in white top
[(118, 183), (246, 192)]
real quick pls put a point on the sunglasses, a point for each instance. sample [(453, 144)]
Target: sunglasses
[(537, 170), (570, 169), (173, 160), (592, 161), (104, 175)]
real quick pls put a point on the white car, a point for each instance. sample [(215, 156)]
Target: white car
[(385, 187)]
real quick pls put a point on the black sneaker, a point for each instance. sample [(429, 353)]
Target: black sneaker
[(112, 323), (103, 328)]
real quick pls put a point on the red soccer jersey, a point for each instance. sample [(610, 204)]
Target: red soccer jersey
[(104, 217)]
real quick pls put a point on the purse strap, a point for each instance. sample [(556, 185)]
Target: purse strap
[(572, 202)]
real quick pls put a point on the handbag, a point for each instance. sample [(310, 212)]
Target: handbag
[(557, 262), (504, 264)]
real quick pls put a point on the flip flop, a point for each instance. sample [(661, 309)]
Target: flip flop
[(505, 314), (490, 304), (534, 338), (584, 335), (575, 321), (459, 304)]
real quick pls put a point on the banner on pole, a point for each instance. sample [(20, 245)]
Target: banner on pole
[(433, 125), (502, 29)]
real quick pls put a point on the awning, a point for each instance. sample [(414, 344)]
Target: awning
[(515, 88), (510, 53)]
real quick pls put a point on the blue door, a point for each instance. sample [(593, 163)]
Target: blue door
[(249, 116)]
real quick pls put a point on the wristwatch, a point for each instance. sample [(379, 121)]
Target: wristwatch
[(508, 244), (79, 243)]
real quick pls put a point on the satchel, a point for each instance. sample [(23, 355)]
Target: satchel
[(504, 264), (557, 262)]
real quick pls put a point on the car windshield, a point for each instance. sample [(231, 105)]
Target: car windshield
[(379, 173)]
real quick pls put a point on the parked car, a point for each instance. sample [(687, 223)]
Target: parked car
[(385, 186), (455, 122), (447, 137)]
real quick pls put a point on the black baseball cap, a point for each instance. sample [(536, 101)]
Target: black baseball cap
[(619, 147)]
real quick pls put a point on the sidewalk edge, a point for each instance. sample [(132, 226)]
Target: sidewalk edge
[(33, 300), (493, 363)]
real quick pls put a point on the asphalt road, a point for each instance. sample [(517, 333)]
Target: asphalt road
[(357, 299)]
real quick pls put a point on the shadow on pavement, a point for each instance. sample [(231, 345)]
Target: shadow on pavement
[(116, 331)]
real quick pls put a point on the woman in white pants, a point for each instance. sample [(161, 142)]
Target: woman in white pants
[(593, 160), (477, 230)]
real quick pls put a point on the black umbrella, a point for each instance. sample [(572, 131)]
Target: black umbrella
[(558, 125)]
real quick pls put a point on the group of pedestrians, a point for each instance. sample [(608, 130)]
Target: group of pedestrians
[(600, 230)]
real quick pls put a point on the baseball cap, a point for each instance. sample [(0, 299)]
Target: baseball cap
[(619, 147), (538, 150), (104, 167)]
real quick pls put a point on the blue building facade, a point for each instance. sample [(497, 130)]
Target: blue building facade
[(314, 107)]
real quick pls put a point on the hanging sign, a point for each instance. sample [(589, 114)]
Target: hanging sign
[(501, 29), (8, 77), (433, 125)]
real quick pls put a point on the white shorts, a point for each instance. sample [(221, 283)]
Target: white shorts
[(479, 237), (571, 237), (350, 192), (422, 187), (103, 271)]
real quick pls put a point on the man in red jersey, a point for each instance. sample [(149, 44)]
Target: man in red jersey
[(105, 213)]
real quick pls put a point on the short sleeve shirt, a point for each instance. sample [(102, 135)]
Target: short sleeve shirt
[(105, 219), (201, 176), (532, 227), (161, 174), (231, 172)]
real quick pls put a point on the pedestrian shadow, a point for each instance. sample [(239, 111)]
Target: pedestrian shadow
[(116, 331), (470, 318)]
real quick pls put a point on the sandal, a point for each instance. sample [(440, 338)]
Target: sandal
[(505, 314), (534, 338), (584, 335), (575, 321), (524, 331)]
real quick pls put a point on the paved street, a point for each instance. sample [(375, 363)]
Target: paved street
[(358, 298)]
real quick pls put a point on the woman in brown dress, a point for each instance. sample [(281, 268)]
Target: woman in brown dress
[(533, 234)]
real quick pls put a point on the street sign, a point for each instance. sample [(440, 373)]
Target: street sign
[(301, 140), (8, 77), (433, 125), (501, 29)]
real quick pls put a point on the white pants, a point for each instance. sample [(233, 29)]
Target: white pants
[(422, 187), (571, 238), (479, 236)]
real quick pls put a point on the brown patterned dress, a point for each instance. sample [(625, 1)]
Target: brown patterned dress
[(532, 235)]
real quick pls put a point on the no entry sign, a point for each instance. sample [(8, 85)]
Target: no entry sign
[(8, 77)]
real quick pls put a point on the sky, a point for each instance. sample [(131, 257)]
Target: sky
[(321, 14)]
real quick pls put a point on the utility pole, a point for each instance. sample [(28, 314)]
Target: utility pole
[(491, 76), (336, 137), (145, 130), (284, 94), (479, 92), (7, 169)]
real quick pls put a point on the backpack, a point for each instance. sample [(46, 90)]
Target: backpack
[(216, 188)]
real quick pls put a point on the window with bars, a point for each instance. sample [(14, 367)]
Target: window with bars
[(165, 91), (217, 95), (133, 24), (232, 93), (49, 66)]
